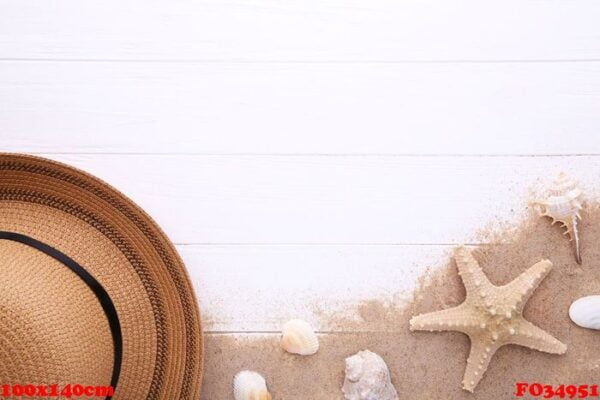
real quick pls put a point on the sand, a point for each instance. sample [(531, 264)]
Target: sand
[(430, 365)]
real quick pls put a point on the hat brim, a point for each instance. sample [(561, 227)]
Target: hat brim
[(126, 251)]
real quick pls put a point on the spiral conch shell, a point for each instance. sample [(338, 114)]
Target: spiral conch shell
[(368, 378), (563, 205), (250, 385), (299, 338)]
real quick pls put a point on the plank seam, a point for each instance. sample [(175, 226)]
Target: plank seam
[(343, 332), (306, 155), (333, 244), (293, 62)]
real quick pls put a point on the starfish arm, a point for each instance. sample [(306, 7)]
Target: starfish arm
[(477, 363), (471, 273), (453, 319), (526, 283), (529, 335)]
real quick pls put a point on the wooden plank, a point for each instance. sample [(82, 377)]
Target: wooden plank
[(258, 288), (331, 199), (300, 30), (538, 108)]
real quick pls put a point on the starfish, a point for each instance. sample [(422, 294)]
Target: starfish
[(492, 316)]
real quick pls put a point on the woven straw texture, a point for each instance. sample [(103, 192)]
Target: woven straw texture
[(52, 328)]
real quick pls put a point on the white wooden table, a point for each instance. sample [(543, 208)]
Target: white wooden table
[(308, 152)]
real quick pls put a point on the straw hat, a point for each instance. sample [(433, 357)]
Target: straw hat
[(92, 292)]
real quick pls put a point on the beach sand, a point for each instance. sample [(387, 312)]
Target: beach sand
[(427, 365)]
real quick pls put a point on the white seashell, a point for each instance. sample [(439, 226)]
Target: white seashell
[(250, 385), (368, 378), (299, 338), (563, 204), (585, 312)]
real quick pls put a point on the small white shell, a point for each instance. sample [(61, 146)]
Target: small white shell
[(368, 378), (299, 338), (250, 385), (585, 312), (563, 204)]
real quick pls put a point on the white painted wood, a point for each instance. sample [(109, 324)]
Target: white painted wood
[(258, 288), (300, 30), (347, 89), (534, 108), (331, 199)]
